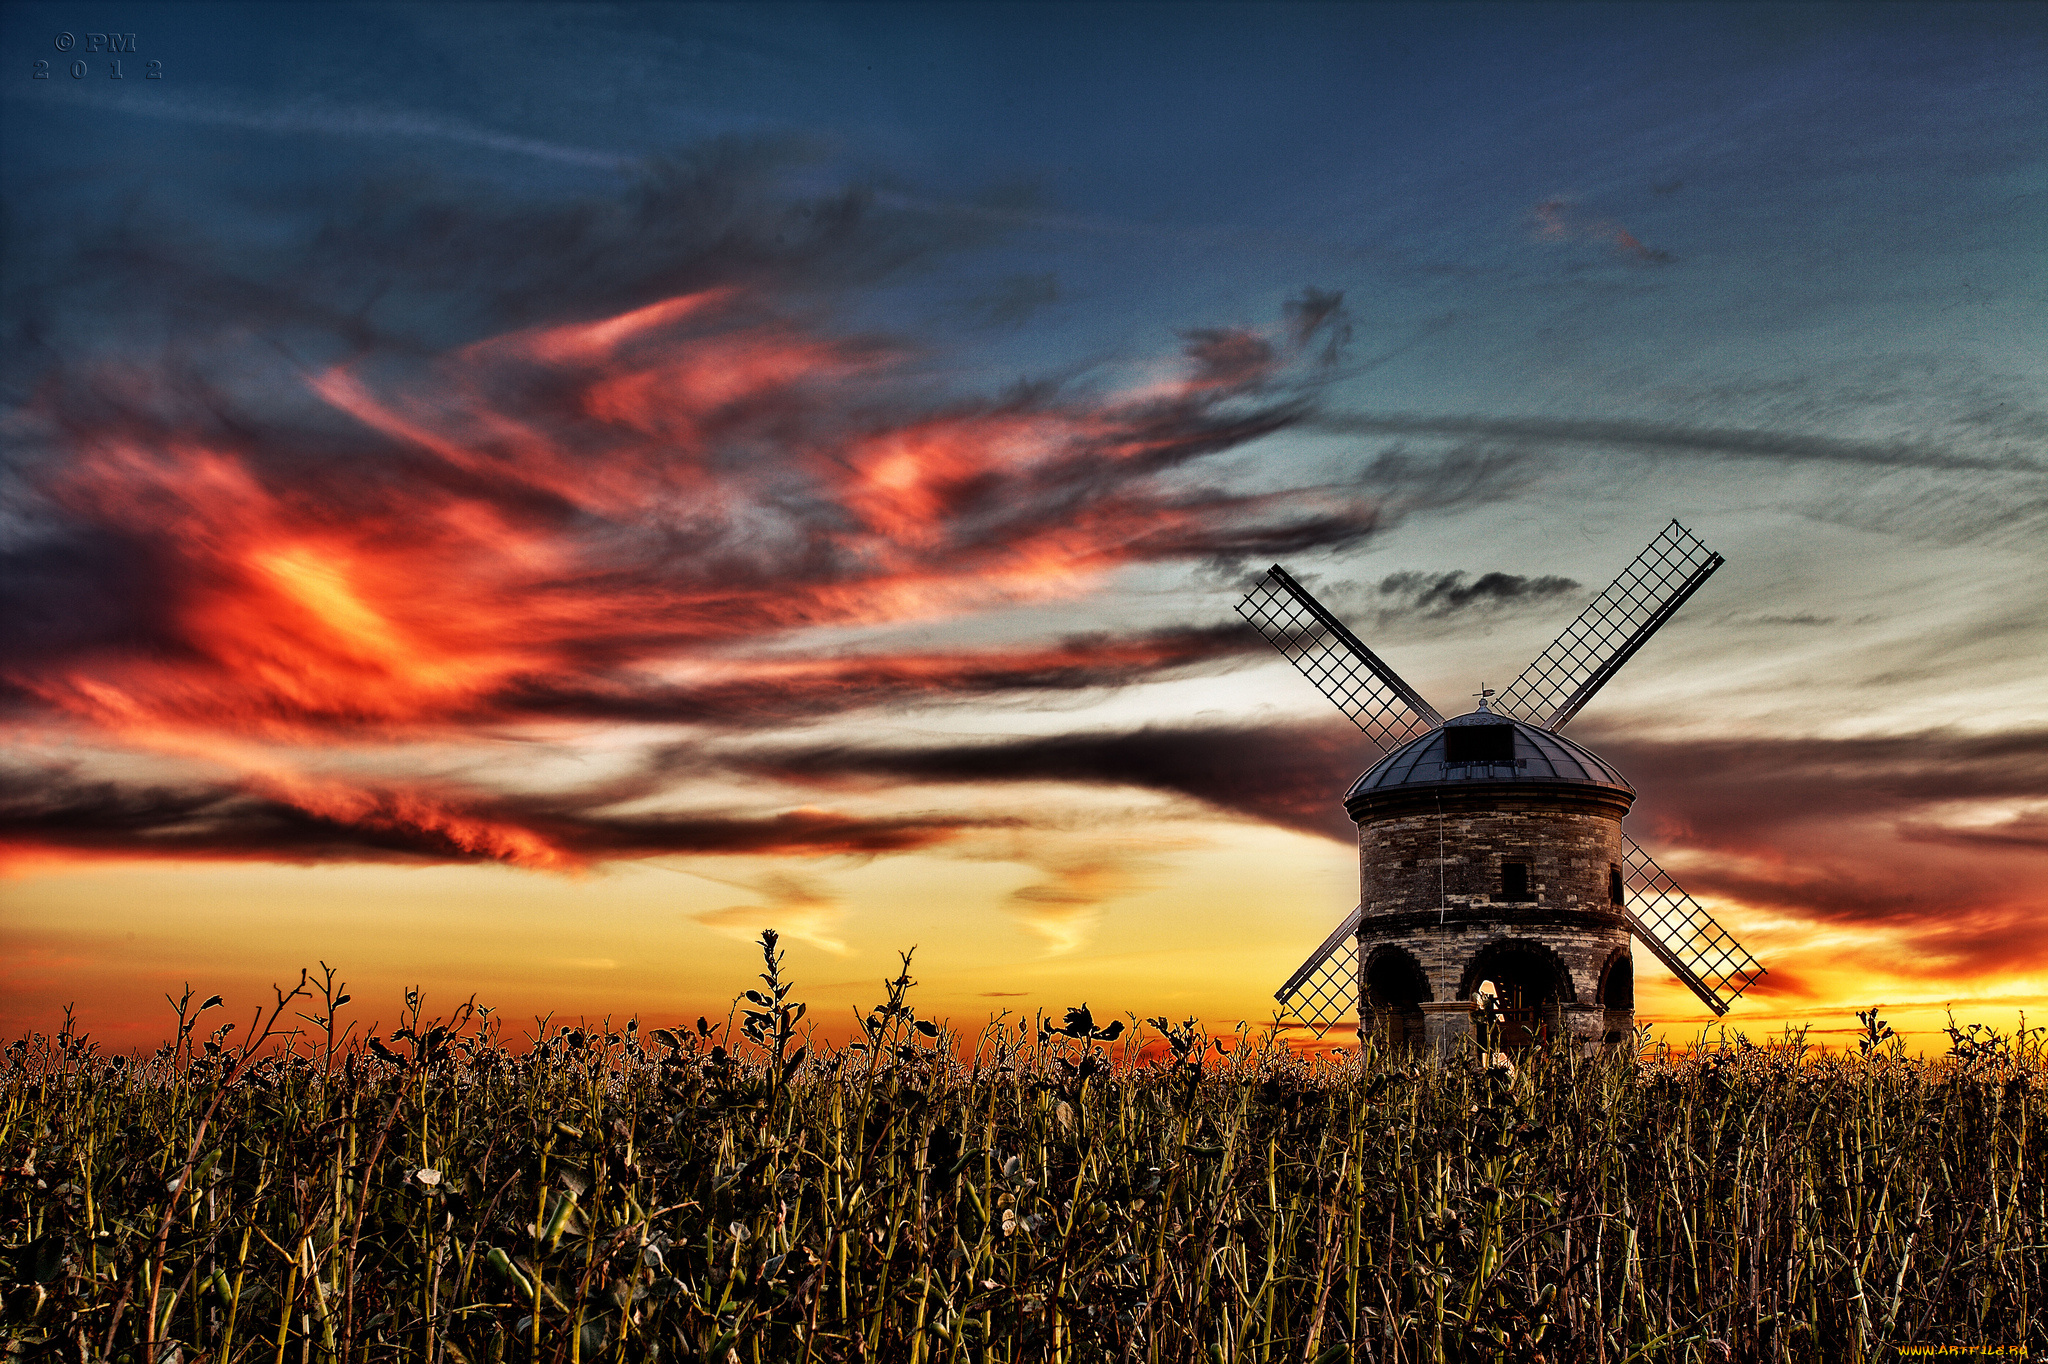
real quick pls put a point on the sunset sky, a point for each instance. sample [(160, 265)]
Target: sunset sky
[(517, 499)]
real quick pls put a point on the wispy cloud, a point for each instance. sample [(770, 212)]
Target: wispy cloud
[(1561, 220), (796, 906), (338, 120)]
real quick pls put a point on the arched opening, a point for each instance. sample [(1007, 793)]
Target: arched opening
[(1395, 988), (1618, 981), (1529, 982)]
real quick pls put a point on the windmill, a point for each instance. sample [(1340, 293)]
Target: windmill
[(1490, 846)]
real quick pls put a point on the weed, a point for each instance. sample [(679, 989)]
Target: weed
[(1084, 1191)]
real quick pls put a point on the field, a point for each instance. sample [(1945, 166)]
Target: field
[(1081, 1191)]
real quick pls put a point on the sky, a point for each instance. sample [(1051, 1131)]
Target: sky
[(516, 499)]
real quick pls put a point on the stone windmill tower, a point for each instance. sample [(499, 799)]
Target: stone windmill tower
[(1490, 846)]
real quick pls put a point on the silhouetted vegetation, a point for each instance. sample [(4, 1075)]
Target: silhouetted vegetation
[(1085, 1191)]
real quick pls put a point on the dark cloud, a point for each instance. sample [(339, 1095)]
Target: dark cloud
[(1732, 791), (1320, 312), (1014, 300), (1293, 776), (768, 693), (2028, 832), (1676, 438), (1825, 830), (54, 811), (1876, 832), (1435, 596), (1712, 793), (417, 264)]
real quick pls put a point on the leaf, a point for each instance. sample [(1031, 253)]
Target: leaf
[(1064, 1112), (1110, 1033), (340, 1000), (929, 1029), (212, 1002), (427, 1177), (760, 999), (502, 1266)]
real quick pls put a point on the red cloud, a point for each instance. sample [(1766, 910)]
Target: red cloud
[(544, 513)]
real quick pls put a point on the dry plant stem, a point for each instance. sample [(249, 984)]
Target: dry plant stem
[(363, 1181), (181, 1184), (599, 1194)]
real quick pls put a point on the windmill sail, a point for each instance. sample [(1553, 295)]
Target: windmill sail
[(1607, 633), (1373, 695), (1323, 991), (1683, 935)]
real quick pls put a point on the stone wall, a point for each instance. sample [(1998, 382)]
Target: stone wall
[(1430, 879)]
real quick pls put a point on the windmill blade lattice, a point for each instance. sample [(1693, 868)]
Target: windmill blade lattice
[(1389, 710), (1323, 991), (1607, 633), (1683, 935)]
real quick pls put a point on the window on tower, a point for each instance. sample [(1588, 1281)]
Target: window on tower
[(1514, 881), (1479, 744), (1614, 895)]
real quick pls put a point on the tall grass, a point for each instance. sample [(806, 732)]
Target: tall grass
[(1034, 1193)]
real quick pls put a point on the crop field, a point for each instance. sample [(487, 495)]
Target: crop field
[(288, 1190)]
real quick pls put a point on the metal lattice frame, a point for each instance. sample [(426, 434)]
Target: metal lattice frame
[(1607, 633), (1323, 991), (1683, 935), (1373, 695)]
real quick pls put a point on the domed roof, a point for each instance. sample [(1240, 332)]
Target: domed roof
[(1486, 747)]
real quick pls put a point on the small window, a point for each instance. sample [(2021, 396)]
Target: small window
[(1614, 895), (1479, 744), (1514, 881)]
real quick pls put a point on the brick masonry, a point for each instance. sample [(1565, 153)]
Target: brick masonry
[(1430, 878)]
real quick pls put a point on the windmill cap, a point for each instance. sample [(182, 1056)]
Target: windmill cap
[(1527, 753)]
